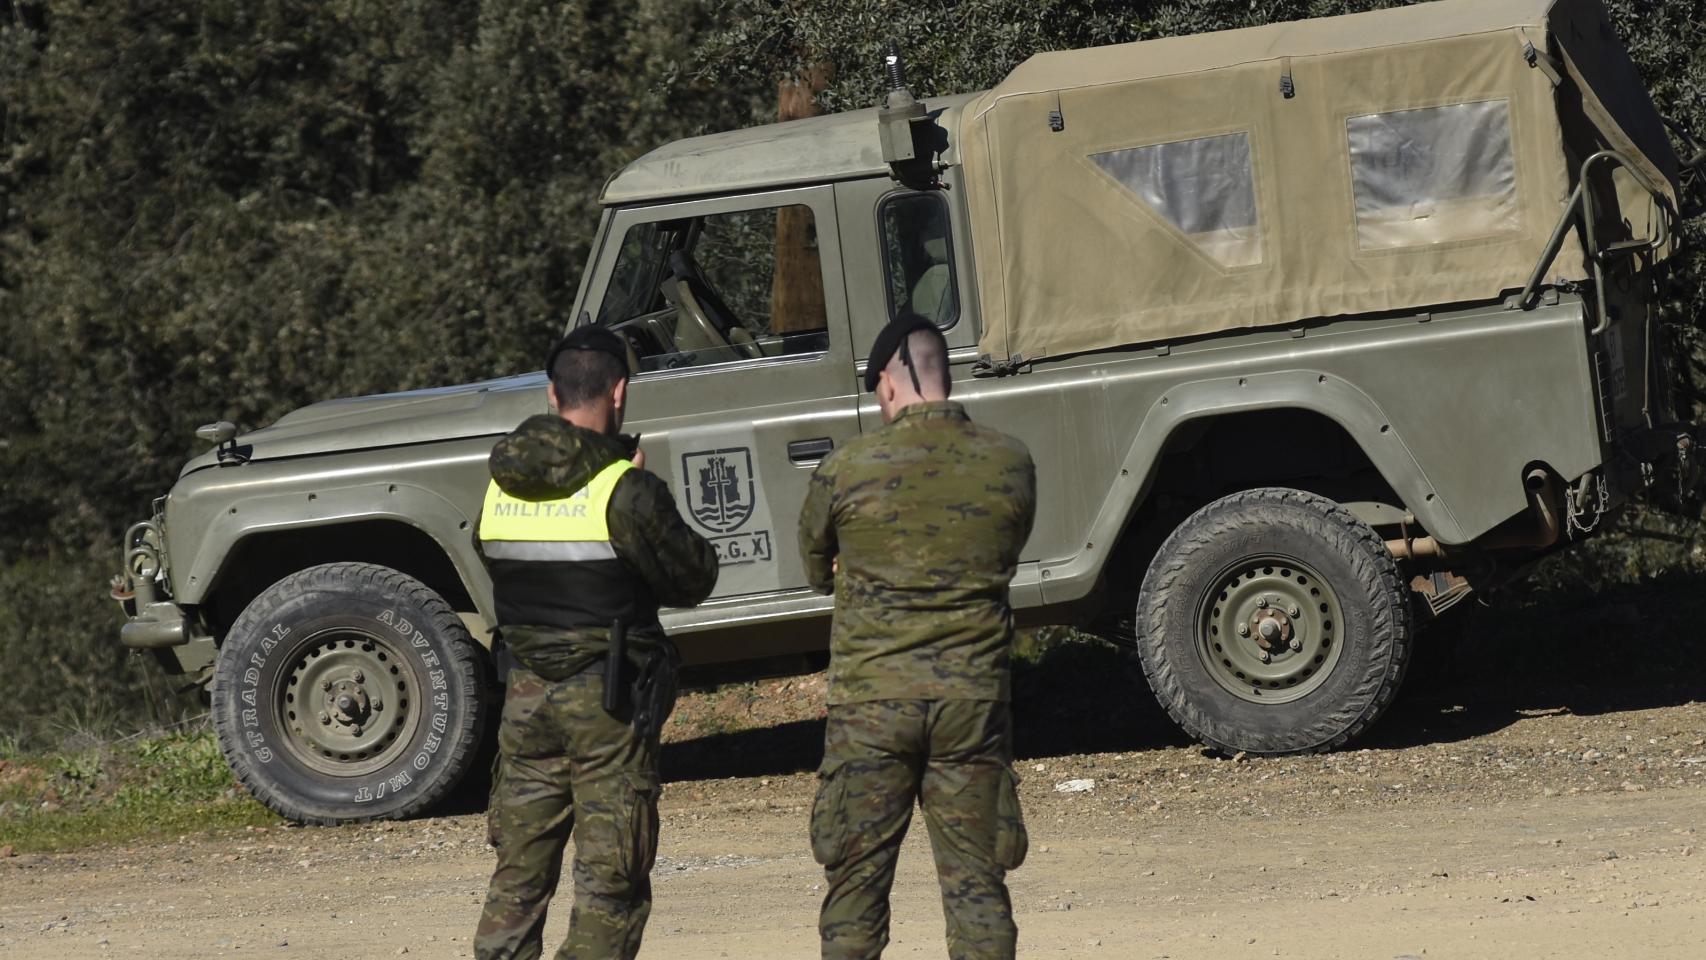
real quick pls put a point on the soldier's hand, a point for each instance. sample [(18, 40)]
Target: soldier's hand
[(639, 459)]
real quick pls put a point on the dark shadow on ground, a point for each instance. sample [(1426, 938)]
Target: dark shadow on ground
[(1075, 697), (1084, 695), (1624, 648), (763, 752)]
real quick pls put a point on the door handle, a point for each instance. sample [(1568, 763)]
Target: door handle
[(806, 451)]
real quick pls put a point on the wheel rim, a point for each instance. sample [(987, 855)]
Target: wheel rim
[(1269, 629), (345, 704)]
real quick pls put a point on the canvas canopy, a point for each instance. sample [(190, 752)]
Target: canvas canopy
[(1373, 162)]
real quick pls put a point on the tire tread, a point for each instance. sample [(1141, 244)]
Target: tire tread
[(1390, 630), (465, 657)]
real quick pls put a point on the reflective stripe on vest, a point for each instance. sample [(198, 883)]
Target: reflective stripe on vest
[(574, 528)]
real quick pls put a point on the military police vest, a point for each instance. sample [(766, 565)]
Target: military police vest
[(552, 561)]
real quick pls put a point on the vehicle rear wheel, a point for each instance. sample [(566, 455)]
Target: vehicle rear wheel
[(1273, 621), (350, 691)]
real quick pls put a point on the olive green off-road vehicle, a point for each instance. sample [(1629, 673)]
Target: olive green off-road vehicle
[(1312, 330)]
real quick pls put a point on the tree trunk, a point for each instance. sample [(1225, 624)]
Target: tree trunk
[(796, 292)]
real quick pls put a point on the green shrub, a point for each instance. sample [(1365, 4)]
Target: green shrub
[(120, 791)]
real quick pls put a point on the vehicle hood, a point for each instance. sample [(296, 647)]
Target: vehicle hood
[(488, 408)]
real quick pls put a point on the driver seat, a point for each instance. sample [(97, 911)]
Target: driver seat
[(933, 296)]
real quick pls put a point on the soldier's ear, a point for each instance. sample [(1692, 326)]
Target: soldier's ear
[(619, 395), (551, 397), (885, 394)]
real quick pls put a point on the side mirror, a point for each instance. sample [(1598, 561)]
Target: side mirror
[(224, 437), (217, 433)]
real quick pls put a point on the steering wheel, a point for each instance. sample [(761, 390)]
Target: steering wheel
[(695, 314)]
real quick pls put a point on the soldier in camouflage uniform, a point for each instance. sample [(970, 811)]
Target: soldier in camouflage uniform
[(917, 529), (578, 537)]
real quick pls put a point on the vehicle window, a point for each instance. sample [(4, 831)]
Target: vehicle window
[(721, 288), (918, 257), (1205, 187), (1433, 175), (631, 282)]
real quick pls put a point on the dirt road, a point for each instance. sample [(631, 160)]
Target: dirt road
[(1480, 830)]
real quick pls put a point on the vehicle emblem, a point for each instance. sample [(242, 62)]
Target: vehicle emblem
[(720, 491)]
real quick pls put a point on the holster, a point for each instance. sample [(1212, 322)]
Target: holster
[(615, 659), (654, 689)]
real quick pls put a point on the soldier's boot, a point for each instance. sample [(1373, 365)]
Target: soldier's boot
[(529, 821), (971, 810), (616, 843), (868, 784)]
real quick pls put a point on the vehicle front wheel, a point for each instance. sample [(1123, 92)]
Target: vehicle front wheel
[(350, 691), (1273, 621)]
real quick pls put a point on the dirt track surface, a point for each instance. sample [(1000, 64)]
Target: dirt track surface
[(1480, 830)]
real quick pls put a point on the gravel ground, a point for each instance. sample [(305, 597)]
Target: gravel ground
[(1509, 820)]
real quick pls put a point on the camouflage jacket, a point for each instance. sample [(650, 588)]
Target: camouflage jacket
[(547, 458), (926, 518)]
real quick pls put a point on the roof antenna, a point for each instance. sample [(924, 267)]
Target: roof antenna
[(896, 68), (902, 122)]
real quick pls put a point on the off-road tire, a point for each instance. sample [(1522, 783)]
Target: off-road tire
[(427, 689), (1185, 578)]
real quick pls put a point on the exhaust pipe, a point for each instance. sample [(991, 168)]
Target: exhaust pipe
[(1545, 513)]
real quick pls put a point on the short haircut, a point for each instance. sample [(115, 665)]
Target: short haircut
[(929, 352), (581, 376)]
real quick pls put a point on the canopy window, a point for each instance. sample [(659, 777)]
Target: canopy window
[(1434, 175), (1204, 187)]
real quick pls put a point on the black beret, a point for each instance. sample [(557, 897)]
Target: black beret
[(889, 340), (596, 339)]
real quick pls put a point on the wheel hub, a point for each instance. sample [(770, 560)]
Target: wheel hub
[(1272, 630), (349, 702), (345, 703), (1269, 629)]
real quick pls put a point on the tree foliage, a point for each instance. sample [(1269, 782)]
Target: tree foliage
[(225, 210)]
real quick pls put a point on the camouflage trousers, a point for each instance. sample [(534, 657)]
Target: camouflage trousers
[(567, 766), (953, 758)]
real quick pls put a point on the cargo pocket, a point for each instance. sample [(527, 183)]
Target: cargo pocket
[(829, 814), (640, 817), (1011, 840)]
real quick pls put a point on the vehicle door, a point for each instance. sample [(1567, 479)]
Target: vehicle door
[(735, 314), (909, 252)]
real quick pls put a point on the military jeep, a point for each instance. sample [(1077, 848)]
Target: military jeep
[(1312, 329)]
